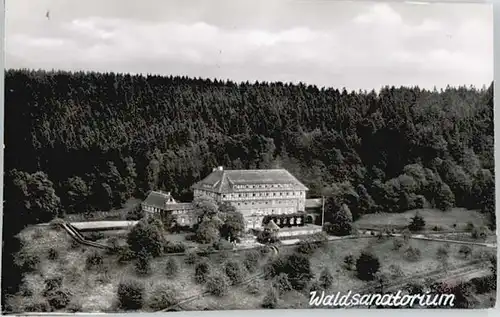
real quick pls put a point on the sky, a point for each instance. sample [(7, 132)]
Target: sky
[(356, 45)]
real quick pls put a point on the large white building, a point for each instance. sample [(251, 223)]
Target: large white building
[(255, 193)]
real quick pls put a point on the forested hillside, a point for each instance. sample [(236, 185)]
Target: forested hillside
[(77, 142), (102, 138)]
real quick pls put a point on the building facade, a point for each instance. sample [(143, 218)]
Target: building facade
[(256, 193), (163, 204)]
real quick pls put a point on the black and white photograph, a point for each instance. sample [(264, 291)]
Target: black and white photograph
[(190, 155)]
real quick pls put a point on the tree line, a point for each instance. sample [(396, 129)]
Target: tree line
[(76, 142)]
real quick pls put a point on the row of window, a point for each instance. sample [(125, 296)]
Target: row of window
[(263, 186), (277, 202), (265, 194)]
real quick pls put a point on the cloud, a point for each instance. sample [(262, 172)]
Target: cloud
[(376, 46)]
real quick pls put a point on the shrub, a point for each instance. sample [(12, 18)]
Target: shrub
[(406, 234), (397, 244), (367, 265), (28, 262), (171, 267), (254, 287), (191, 258), (234, 272), (417, 223), (349, 261), (135, 213), (74, 306), (52, 284), (396, 271), (326, 279), (177, 247), (143, 264), (306, 247), (130, 294), (223, 244), (53, 254), (282, 284), (217, 285), (94, 261), (315, 286), (437, 228), (74, 244), (442, 253), (94, 236), (270, 301), (267, 237), (465, 251), (202, 270), (296, 266), (113, 246), (412, 254), (125, 255), (162, 297), (251, 260), (59, 299), (480, 233), (484, 284)]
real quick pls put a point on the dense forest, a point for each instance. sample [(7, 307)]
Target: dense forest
[(78, 142)]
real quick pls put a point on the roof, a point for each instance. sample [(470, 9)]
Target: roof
[(158, 199), (313, 203), (228, 181)]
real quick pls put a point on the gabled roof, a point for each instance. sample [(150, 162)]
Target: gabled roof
[(226, 181), (156, 199), (272, 226)]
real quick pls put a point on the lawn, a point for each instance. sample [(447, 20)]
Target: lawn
[(95, 290), (443, 219)]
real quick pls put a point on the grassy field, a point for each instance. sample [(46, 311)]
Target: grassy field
[(443, 219), (95, 290)]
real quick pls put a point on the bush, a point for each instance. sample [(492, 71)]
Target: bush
[(349, 261), (326, 279), (52, 284), (267, 237), (202, 271), (191, 258), (130, 294), (234, 272), (125, 255), (270, 301), (135, 213), (143, 264), (251, 260), (28, 262), (397, 244), (94, 236), (367, 265), (412, 254), (306, 247), (437, 228), (417, 223), (480, 233), (217, 285), (177, 247), (162, 297), (282, 284), (94, 261), (74, 306), (59, 299), (465, 251), (53, 254), (442, 253), (113, 246), (171, 267), (254, 287), (296, 266), (396, 271), (74, 244), (484, 284)]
